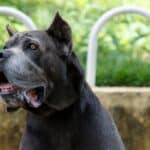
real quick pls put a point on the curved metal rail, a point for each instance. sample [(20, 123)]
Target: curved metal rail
[(93, 38), (19, 15)]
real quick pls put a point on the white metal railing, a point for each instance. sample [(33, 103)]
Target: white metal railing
[(19, 15), (93, 38)]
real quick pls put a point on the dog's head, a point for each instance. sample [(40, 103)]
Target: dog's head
[(38, 70)]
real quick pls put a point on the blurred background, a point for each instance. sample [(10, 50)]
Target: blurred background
[(123, 60), (124, 41)]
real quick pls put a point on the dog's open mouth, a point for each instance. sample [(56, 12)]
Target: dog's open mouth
[(33, 96)]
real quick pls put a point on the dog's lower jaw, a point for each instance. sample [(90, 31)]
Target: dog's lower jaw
[(85, 125)]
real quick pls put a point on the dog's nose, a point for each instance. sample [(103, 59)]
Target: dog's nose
[(5, 54)]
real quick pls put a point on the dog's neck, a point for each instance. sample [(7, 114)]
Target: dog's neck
[(77, 107), (59, 128)]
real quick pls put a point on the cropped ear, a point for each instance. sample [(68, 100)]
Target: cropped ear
[(10, 31), (61, 31)]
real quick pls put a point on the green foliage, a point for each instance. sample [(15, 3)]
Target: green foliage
[(123, 49)]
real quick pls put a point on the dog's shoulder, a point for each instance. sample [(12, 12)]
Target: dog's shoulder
[(96, 126)]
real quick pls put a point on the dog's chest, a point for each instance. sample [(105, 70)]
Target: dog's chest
[(48, 137), (48, 141)]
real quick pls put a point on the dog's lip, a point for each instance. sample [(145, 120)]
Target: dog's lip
[(31, 95), (34, 97)]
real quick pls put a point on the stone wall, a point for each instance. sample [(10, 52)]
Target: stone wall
[(130, 108)]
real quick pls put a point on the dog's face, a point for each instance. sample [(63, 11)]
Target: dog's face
[(38, 70)]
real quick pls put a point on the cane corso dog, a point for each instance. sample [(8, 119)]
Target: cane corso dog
[(40, 73)]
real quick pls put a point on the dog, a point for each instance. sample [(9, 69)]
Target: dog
[(40, 73)]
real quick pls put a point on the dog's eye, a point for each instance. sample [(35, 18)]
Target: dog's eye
[(33, 46)]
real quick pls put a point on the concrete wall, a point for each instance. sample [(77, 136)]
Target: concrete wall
[(130, 108)]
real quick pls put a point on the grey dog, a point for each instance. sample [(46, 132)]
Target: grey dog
[(40, 73)]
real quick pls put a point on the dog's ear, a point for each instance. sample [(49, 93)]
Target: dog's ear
[(61, 31), (10, 31)]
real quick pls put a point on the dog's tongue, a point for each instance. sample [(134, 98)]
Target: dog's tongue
[(32, 97), (7, 88)]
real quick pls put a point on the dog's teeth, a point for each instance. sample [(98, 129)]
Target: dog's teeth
[(7, 88), (26, 96)]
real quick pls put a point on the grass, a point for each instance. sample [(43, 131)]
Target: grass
[(123, 49)]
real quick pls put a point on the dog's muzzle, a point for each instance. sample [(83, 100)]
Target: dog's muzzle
[(21, 80)]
